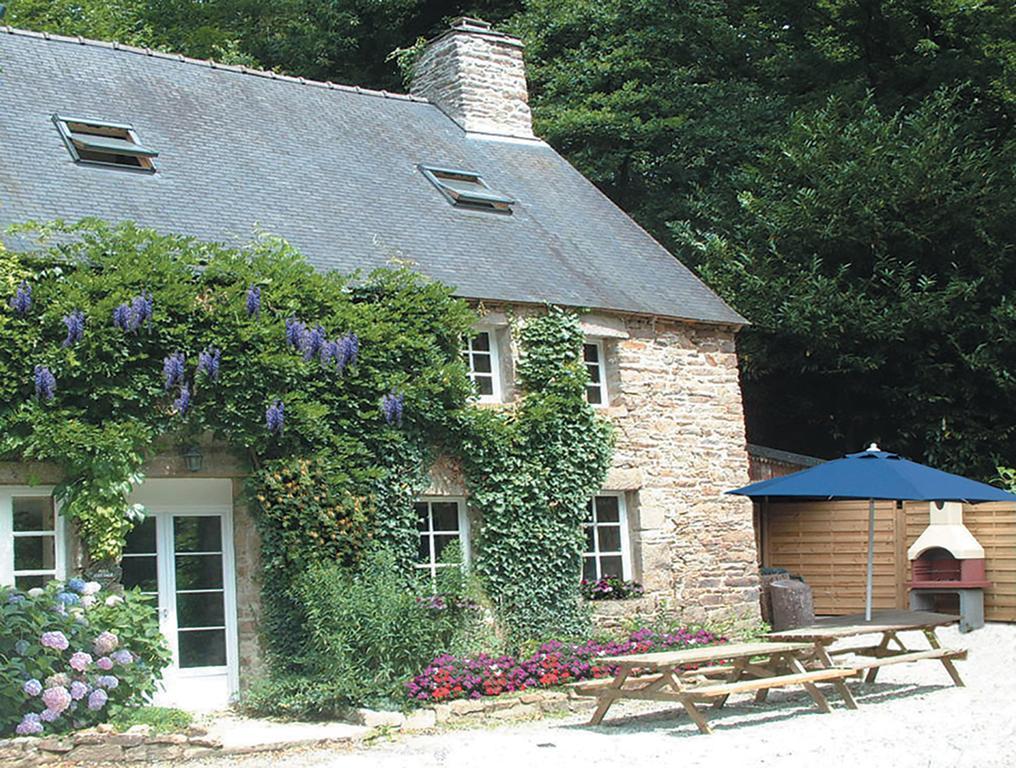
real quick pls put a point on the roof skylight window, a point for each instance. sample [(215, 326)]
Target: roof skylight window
[(102, 143), (467, 190)]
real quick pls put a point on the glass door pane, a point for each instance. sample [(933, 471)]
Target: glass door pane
[(200, 596), (140, 562)]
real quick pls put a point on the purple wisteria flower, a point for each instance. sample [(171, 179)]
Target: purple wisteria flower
[(78, 690), (80, 661), (182, 403), (352, 348), (141, 311), (108, 681), (105, 643), (311, 342), (122, 657), (45, 383), (174, 369), (30, 725), (105, 663), (294, 332), (75, 323), (209, 362), (21, 301), (32, 687), (391, 407), (275, 417), (55, 640), (56, 699), (122, 317), (253, 301), (131, 315), (97, 700)]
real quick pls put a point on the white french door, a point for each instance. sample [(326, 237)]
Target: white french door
[(182, 556)]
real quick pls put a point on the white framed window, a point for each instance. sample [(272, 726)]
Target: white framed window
[(480, 354), (608, 552), (595, 360), (440, 521), (31, 537)]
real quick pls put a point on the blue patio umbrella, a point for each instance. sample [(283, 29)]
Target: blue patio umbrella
[(874, 475)]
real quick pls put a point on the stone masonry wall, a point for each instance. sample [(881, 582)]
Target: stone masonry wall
[(677, 408), (476, 76)]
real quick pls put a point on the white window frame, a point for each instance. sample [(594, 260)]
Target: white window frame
[(431, 566), (7, 534), (622, 521), (601, 364), (495, 363)]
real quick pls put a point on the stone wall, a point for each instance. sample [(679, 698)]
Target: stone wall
[(676, 402)]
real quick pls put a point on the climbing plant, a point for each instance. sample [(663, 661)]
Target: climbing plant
[(117, 342), (531, 472)]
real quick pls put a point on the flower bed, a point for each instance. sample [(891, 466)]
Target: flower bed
[(449, 677)]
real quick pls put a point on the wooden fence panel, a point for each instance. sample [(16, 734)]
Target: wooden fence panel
[(826, 543)]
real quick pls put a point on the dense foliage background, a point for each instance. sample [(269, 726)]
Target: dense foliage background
[(841, 171)]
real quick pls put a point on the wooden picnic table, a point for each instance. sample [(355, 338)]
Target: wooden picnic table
[(826, 632), (742, 667)]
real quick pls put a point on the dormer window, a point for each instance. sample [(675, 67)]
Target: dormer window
[(466, 189), (101, 143)]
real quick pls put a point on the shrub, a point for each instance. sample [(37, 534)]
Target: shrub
[(72, 656), (365, 633), (610, 588), (554, 663)]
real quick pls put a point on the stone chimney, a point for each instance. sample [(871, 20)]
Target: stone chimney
[(475, 75)]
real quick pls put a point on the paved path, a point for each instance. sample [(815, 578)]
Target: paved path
[(912, 718)]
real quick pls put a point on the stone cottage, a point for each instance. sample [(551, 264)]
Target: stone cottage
[(450, 179)]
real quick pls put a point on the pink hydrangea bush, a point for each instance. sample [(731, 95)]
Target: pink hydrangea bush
[(70, 656), (450, 677)]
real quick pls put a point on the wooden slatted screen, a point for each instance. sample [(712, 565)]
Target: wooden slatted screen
[(826, 543)]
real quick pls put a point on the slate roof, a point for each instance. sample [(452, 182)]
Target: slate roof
[(333, 169)]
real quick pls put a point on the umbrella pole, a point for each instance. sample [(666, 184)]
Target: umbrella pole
[(871, 558)]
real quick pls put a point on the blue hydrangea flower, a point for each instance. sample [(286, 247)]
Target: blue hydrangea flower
[(253, 301), (15, 598), (32, 687), (183, 402), (173, 369), (75, 323), (21, 647), (209, 362), (67, 598), (275, 417), (45, 383), (76, 584), (108, 681), (294, 332), (78, 690), (97, 699), (30, 725), (21, 301), (391, 408)]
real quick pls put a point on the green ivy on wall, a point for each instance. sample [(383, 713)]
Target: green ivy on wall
[(339, 391), (531, 472)]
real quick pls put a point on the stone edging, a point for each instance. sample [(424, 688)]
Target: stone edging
[(103, 744), (506, 707)]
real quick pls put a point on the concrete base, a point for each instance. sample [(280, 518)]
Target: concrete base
[(971, 604)]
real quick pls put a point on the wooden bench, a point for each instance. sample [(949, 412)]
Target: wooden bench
[(779, 681), (945, 655)]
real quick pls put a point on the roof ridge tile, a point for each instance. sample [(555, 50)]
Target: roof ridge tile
[(211, 64)]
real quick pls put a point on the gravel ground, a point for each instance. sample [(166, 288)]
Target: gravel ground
[(911, 718)]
